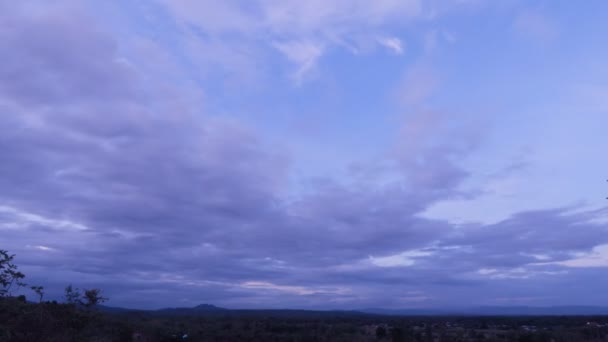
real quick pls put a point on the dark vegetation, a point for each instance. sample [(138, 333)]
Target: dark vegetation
[(81, 318)]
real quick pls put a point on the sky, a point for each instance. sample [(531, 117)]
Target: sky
[(311, 154)]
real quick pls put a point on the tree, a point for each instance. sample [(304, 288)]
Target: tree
[(72, 295), (88, 298), (92, 297), (9, 276), (39, 291)]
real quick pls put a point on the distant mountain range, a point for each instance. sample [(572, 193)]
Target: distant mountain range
[(497, 311), (208, 309), (203, 308)]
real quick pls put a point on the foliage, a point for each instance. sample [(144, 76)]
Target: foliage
[(72, 295), (39, 290), (54, 322), (92, 297), (51, 321), (9, 276), (89, 298)]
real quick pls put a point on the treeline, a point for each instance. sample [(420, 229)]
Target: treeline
[(75, 319), (12, 281)]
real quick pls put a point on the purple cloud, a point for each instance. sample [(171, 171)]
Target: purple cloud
[(106, 177)]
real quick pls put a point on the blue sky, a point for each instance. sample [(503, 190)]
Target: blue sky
[(318, 154)]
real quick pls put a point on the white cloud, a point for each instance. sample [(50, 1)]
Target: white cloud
[(597, 257), (540, 257), (304, 54), (514, 273), (297, 290), (301, 30), (392, 43), (24, 219), (407, 258), (41, 248)]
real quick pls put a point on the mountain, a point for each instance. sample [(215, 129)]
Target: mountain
[(208, 309), (197, 310), (541, 311), (406, 312), (115, 309), (496, 311)]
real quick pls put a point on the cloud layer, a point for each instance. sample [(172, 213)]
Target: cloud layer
[(113, 176)]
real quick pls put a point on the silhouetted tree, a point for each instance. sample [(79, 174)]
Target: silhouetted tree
[(9, 276), (92, 298), (39, 290), (72, 295)]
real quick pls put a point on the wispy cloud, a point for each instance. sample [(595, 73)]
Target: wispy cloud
[(392, 43)]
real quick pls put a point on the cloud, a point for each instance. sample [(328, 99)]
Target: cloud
[(303, 54), (114, 177), (302, 31), (336, 17), (597, 257), (297, 290), (42, 248), (407, 258), (392, 43), (26, 218)]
